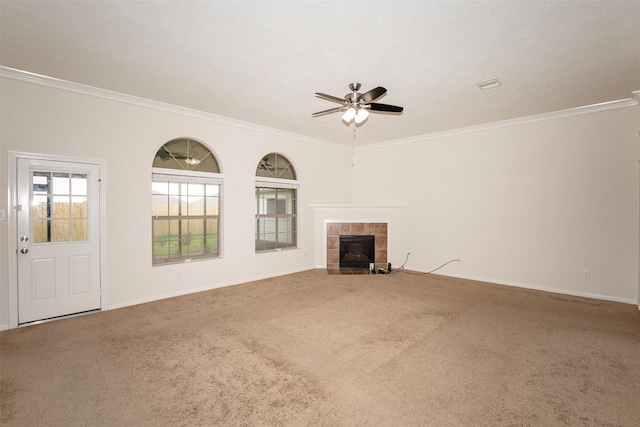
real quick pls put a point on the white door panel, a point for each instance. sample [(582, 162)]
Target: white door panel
[(58, 238)]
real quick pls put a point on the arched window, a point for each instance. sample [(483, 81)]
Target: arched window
[(186, 184), (185, 155), (276, 204)]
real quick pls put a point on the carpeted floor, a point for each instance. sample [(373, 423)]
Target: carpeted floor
[(313, 349)]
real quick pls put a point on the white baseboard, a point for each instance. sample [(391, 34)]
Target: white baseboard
[(540, 288)]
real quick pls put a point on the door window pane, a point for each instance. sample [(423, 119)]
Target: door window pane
[(79, 229), (39, 206), (61, 206), (40, 231), (41, 182), (60, 183), (79, 185), (53, 206), (60, 230), (78, 207)]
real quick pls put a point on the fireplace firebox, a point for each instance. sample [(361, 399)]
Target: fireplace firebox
[(357, 251)]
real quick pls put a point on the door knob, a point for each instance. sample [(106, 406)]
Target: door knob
[(24, 238), (24, 250)]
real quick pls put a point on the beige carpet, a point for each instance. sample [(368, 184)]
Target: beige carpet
[(312, 349)]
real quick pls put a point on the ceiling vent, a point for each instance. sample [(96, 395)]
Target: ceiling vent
[(488, 84)]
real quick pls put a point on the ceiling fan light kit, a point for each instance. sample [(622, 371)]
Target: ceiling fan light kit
[(356, 106)]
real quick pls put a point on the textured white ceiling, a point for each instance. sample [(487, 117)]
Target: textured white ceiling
[(262, 62)]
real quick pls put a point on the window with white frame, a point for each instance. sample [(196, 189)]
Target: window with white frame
[(186, 189), (276, 204)]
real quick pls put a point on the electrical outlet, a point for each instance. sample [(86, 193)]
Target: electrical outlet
[(586, 274)]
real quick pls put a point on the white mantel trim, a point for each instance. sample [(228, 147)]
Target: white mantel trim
[(347, 207)]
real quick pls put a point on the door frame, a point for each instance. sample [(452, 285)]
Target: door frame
[(13, 157)]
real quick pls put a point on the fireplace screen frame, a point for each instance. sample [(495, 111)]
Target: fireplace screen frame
[(353, 244)]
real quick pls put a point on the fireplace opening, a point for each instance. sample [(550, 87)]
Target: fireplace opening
[(357, 251)]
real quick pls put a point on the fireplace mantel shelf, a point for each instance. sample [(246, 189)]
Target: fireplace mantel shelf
[(352, 207)]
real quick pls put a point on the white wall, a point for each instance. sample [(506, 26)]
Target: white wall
[(532, 205), (48, 120)]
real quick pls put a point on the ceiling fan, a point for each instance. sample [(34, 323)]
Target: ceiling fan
[(356, 106)]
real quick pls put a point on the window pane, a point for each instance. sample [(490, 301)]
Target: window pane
[(193, 238), (79, 185), (174, 206), (40, 231), (191, 230), (60, 230), (196, 189), (196, 206), (174, 237), (269, 226), (284, 170), (60, 206), (39, 206), (61, 183), (275, 218), (160, 239), (266, 166), (212, 206), (159, 205), (185, 154), (190, 238), (211, 237), (285, 232), (41, 182), (274, 165), (212, 190), (78, 207), (159, 187), (79, 229), (174, 188)]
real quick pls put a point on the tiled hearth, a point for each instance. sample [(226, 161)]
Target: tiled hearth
[(337, 229)]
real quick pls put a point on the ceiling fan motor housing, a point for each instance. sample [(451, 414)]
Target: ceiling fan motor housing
[(355, 102)]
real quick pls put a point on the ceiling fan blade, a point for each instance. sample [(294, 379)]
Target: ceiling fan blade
[(330, 98), (330, 110), (384, 107), (373, 94)]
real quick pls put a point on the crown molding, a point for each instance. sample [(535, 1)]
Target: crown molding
[(52, 82), (604, 106), (28, 77)]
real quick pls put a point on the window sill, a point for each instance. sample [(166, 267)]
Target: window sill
[(183, 264), (276, 251)]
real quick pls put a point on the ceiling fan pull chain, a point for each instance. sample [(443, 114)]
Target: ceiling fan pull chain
[(353, 153)]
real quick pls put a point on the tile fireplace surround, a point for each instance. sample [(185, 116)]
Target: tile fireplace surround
[(337, 229)]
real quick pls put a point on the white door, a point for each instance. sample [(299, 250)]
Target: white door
[(58, 238)]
